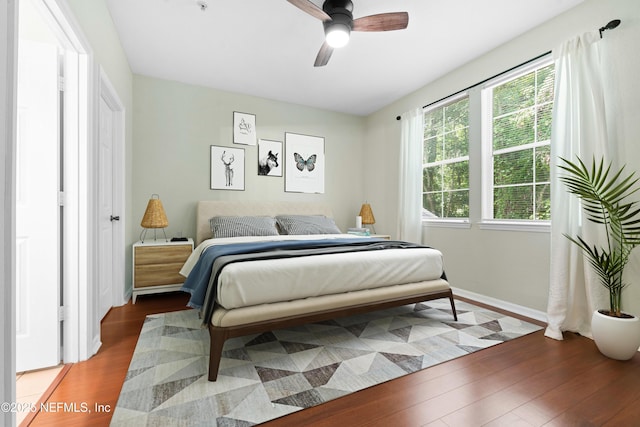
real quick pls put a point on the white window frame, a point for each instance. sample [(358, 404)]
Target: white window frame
[(487, 221), (449, 221)]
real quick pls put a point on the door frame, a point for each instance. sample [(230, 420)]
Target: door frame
[(110, 96), (78, 237), (8, 76), (81, 336), (81, 332)]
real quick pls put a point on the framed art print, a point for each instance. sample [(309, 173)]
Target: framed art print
[(304, 163), (269, 158), (227, 168), (244, 128)]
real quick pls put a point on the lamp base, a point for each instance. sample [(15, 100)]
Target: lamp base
[(155, 237)]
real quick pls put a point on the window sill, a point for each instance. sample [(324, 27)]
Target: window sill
[(530, 226), (446, 223)]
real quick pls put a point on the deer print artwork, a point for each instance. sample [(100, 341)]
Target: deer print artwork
[(228, 170)]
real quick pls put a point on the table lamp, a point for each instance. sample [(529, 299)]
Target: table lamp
[(367, 215), (154, 217)]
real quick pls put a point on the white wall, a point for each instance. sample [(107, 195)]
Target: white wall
[(176, 123), (509, 266)]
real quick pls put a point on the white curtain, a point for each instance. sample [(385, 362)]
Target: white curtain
[(410, 190), (579, 128)]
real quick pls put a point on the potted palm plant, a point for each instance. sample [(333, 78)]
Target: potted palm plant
[(605, 195)]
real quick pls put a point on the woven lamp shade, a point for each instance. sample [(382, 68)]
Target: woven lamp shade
[(154, 216), (367, 214)]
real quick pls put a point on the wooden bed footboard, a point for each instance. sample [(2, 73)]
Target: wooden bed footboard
[(219, 335)]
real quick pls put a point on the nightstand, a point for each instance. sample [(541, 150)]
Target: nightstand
[(157, 264)]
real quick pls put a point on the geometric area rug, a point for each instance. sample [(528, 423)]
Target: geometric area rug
[(269, 375)]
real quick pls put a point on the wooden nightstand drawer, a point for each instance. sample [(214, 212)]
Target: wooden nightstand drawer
[(158, 274), (162, 254)]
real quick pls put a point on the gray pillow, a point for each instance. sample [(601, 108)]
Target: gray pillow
[(306, 224), (238, 226)]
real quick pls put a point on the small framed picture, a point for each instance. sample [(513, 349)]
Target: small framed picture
[(244, 128), (227, 168), (304, 163), (269, 157)]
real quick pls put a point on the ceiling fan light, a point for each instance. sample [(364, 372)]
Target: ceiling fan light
[(337, 35)]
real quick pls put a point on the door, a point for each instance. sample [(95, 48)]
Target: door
[(38, 242), (107, 217)]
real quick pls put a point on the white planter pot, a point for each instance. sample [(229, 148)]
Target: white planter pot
[(615, 337)]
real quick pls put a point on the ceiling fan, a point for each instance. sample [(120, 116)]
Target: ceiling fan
[(337, 18)]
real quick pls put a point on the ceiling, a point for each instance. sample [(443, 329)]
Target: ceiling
[(266, 48)]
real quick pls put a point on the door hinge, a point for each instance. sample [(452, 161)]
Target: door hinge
[(61, 83), (61, 198), (61, 313)]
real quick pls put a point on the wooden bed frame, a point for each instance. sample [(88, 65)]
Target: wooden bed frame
[(238, 322)]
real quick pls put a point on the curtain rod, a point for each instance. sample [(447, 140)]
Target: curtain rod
[(610, 26)]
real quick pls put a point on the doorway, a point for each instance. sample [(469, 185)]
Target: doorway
[(77, 314), (111, 222)]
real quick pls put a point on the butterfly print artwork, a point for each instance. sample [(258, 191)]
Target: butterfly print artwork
[(301, 163)]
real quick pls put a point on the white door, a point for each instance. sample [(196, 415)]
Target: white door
[(38, 247), (107, 217)]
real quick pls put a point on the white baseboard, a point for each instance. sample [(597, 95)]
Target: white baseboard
[(514, 308), (96, 345), (127, 296)]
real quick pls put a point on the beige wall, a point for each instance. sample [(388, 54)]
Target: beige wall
[(176, 123), (510, 266)]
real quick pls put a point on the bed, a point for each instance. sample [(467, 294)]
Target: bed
[(253, 284)]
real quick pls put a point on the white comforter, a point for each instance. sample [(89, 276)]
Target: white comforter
[(259, 282)]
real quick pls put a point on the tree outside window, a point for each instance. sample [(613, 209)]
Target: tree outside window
[(445, 163), (520, 144)]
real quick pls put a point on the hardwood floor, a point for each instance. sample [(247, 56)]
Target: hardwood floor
[(98, 380), (530, 381)]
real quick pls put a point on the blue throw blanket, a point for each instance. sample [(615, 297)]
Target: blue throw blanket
[(198, 281)]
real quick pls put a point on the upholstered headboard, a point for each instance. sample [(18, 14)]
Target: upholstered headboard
[(210, 208)]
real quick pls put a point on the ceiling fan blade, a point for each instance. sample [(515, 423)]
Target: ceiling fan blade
[(324, 55), (382, 22), (311, 9)]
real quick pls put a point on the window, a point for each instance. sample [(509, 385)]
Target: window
[(517, 118), (445, 163)]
